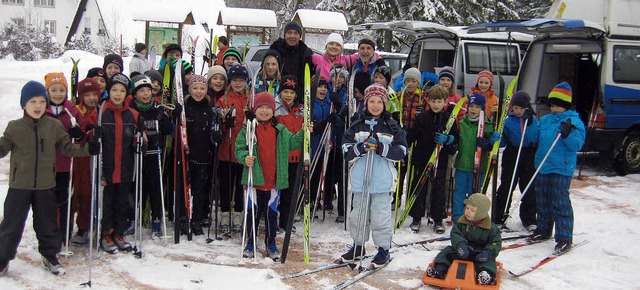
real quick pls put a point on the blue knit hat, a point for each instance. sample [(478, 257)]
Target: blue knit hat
[(477, 99), (30, 90)]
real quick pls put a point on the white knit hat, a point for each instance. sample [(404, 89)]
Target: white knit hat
[(334, 37), (414, 74)]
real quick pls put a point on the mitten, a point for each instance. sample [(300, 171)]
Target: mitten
[(483, 143), (440, 138), (463, 250), (527, 116), (494, 137), (483, 256), (565, 128), (370, 143), (335, 100), (76, 133), (94, 147)]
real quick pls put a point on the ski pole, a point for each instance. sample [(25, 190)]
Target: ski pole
[(539, 166), (137, 215), (164, 223), (94, 189), (365, 206), (68, 224), (513, 176)]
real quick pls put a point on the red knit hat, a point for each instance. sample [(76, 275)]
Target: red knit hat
[(264, 99), (88, 85), (485, 74)]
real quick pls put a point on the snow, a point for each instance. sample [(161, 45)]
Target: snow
[(157, 13), (605, 208), (317, 19), (247, 17)]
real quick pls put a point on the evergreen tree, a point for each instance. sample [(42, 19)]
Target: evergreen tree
[(27, 41), (83, 43)]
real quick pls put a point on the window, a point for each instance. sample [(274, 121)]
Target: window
[(50, 26), (626, 64), (43, 3), (102, 30), (87, 25), (494, 58), (18, 2)]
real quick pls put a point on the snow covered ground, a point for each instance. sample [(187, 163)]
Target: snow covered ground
[(606, 214)]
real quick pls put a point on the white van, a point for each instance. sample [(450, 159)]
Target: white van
[(599, 56), (437, 46)]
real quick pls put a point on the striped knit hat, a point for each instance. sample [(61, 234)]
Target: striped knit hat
[(375, 90), (232, 51), (561, 95)]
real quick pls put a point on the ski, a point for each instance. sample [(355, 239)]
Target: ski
[(440, 239), (306, 148), (74, 81), (545, 260), (477, 159), (310, 271), (152, 57), (181, 155), (193, 51), (372, 269)]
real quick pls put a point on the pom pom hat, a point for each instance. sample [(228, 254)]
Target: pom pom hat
[(375, 90)]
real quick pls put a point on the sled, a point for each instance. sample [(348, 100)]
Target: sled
[(462, 275)]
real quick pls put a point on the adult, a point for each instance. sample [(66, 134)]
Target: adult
[(333, 57), (294, 54), (367, 59), (139, 62), (223, 45)]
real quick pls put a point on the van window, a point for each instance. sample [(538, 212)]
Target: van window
[(430, 53), (626, 64), (492, 57), (259, 55)]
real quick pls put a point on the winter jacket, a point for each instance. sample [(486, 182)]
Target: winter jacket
[(293, 59), (199, 117), (119, 126), (33, 144), (63, 163), (512, 132), (240, 103), (368, 66), (324, 63), (270, 86), (214, 96), (285, 142), (155, 133), (393, 142), (423, 132), (393, 105), (412, 104), (321, 110), (139, 63), (467, 134), (480, 236), (337, 128), (292, 119), (562, 160)]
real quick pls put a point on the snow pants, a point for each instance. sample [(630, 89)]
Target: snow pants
[(436, 201), (62, 198), (462, 190), (230, 174), (448, 254), (82, 187), (285, 196), (151, 185), (115, 207), (267, 205), (554, 206), (524, 173), (374, 217)]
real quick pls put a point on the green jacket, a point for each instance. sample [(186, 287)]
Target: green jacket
[(467, 132), (483, 236), (285, 142), (33, 145)]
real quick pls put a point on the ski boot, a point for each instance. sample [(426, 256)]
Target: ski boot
[(80, 238), (415, 226), (562, 247), (340, 219), (438, 227), (538, 237), (237, 222), (196, 228), (53, 265), (381, 258), (437, 271), (354, 253), (156, 228), (107, 244), (249, 251), (121, 243), (272, 249)]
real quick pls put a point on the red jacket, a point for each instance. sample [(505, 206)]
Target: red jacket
[(63, 163), (240, 103), (293, 122)]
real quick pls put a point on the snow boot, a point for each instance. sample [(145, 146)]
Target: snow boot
[(438, 227), (437, 271), (237, 222), (272, 249), (4, 268), (382, 257), (484, 278), (531, 228), (53, 265), (354, 253), (225, 227), (538, 237), (156, 228), (130, 228), (121, 243), (415, 225), (107, 244), (340, 219), (249, 251), (196, 228), (206, 222), (562, 247), (80, 238), (184, 226)]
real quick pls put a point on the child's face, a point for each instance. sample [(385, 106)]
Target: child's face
[(238, 85), (436, 105), (411, 85), (333, 49), (340, 82), (321, 92), (228, 61), (117, 94), (198, 91), (517, 110), (557, 109), (112, 69), (143, 95), (359, 95), (375, 106), (271, 67), (175, 53), (102, 82), (474, 111), (264, 113), (470, 212), (90, 100), (446, 82), (484, 84), (288, 96), (36, 107), (379, 78), (155, 87), (217, 82), (57, 94)]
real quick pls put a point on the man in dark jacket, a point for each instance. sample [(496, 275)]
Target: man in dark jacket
[(294, 53)]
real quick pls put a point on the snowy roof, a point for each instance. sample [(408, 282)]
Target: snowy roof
[(319, 19), (247, 17), (163, 13)]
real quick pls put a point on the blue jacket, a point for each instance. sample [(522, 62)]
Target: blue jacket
[(337, 128), (263, 86), (321, 111), (512, 132), (393, 142), (562, 160)]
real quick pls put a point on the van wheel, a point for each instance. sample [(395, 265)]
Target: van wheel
[(628, 160)]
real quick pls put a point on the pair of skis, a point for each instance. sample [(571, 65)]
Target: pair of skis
[(545, 260), (181, 181)]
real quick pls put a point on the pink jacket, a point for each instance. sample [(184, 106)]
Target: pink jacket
[(324, 64)]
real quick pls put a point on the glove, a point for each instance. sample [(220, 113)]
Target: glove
[(344, 112), (463, 250), (332, 117), (335, 100), (177, 111), (216, 136), (565, 128), (97, 130), (370, 144), (494, 137), (527, 116), (249, 115), (76, 133), (318, 127), (161, 115), (441, 138), (483, 143), (483, 256), (94, 147), (229, 122)]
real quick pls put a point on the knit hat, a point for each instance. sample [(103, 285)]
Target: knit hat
[(118, 78), (214, 70), (322, 82), (86, 86), (339, 69), (139, 82), (482, 204), (139, 47), (361, 81), (264, 99), (54, 78), (232, 51), (154, 75), (477, 99), (447, 71), (237, 71), (367, 40), (97, 72), (485, 74), (197, 79), (30, 90), (292, 26), (561, 95), (171, 47), (521, 99), (376, 90), (334, 37), (288, 82), (385, 71), (113, 58), (413, 74)]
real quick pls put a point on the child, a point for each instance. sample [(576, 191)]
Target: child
[(32, 182), (473, 238), (156, 84), (112, 65), (513, 128), (171, 50), (233, 104), (119, 125), (321, 110), (337, 95), (268, 78), (484, 86), (467, 146), (89, 98), (380, 139), (446, 78), (199, 117), (554, 179), (64, 111), (139, 62), (230, 57), (269, 161), (382, 76), (428, 134), (216, 83)]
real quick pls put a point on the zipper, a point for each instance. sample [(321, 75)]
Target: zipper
[(35, 176), (15, 170)]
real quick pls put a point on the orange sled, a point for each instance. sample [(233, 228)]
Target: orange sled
[(462, 275)]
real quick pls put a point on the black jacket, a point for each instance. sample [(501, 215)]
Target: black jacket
[(199, 117), (423, 133), (293, 59)]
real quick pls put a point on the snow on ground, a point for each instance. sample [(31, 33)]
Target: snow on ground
[(606, 214)]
